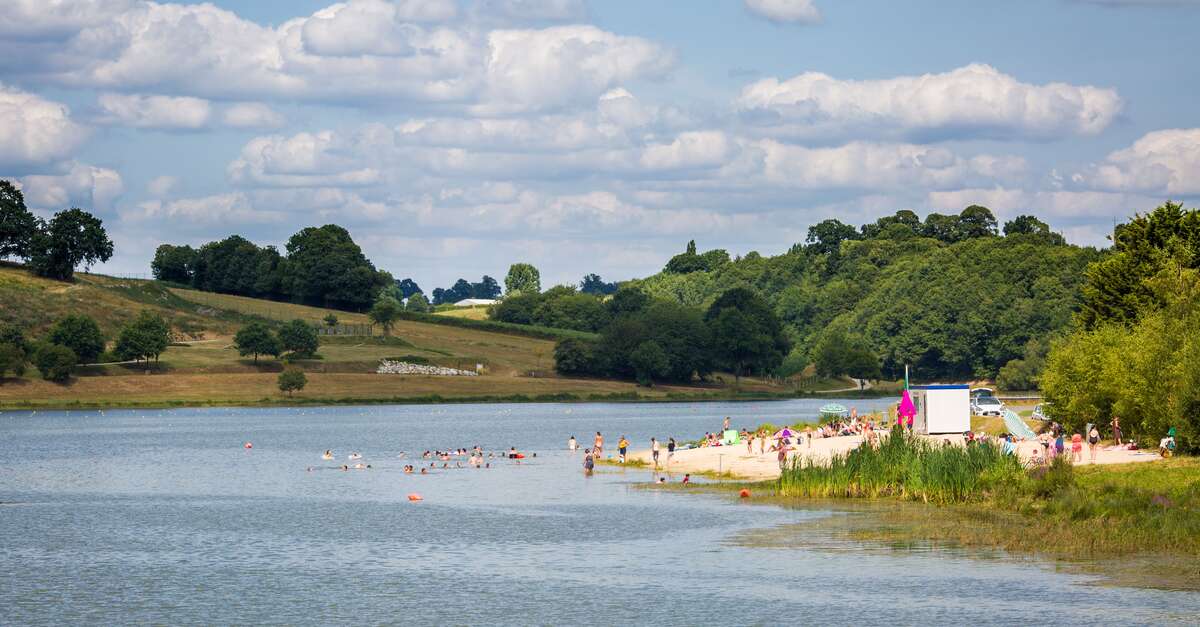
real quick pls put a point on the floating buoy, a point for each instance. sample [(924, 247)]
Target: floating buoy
[(745, 493), (415, 497), (248, 445)]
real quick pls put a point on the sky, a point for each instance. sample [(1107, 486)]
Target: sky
[(456, 137)]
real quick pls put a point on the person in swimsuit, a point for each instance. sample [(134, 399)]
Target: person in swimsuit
[(622, 447), (670, 450), (572, 444), (1116, 425), (1076, 448), (598, 445), (588, 462), (1093, 442), (654, 452)]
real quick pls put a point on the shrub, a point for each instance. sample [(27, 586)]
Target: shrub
[(55, 362), (12, 359), (291, 380)]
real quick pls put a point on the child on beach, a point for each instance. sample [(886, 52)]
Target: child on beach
[(1076, 448)]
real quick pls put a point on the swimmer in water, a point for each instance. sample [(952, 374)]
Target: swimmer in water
[(328, 455), (355, 455), (345, 467), (424, 471)]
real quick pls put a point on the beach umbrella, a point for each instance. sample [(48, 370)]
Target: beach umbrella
[(784, 433), (834, 409), (906, 405)]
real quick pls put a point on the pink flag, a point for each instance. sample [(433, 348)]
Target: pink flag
[(906, 405)]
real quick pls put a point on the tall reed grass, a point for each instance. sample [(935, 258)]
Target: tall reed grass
[(908, 467)]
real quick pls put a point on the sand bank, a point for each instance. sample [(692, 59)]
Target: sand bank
[(756, 466)]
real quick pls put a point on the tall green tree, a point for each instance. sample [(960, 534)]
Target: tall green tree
[(976, 221), (1120, 288), (522, 278), (826, 237), (385, 312), (257, 339), (649, 362), (17, 224), (747, 336), (146, 337), (298, 338), (70, 238), (325, 267), (417, 303), (81, 334), (173, 263)]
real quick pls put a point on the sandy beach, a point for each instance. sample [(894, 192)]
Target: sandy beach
[(760, 466)]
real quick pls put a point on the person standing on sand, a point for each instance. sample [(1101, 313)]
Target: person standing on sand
[(622, 447), (1116, 425), (725, 426), (598, 445), (670, 451), (783, 451), (762, 441), (654, 452), (749, 441), (1093, 442)]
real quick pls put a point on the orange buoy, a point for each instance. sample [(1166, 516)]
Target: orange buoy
[(248, 445), (745, 493), (415, 497)]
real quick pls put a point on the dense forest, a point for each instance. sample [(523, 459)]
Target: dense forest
[(949, 296), (321, 266)]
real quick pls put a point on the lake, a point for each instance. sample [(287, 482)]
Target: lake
[(160, 516)]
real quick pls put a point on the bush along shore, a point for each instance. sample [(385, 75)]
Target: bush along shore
[(1139, 523)]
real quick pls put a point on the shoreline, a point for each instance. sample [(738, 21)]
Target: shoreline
[(434, 399), (733, 460)]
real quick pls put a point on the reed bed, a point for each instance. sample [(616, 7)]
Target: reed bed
[(907, 467)]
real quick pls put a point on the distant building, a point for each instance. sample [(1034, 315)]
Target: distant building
[(475, 302)]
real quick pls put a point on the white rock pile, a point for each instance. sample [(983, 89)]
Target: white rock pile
[(403, 367)]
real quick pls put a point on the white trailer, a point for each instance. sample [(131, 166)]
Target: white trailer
[(941, 408)]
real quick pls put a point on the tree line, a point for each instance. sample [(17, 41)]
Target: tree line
[(658, 340), (320, 266), (50, 248), (952, 296), (76, 339)]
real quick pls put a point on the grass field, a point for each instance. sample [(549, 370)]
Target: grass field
[(207, 369), (470, 313)]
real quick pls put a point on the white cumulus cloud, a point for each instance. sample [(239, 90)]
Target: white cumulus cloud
[(801, 11), (251, 115), (154, 112), (81, 185), (972, 101), (1165, 162), (35, 131)]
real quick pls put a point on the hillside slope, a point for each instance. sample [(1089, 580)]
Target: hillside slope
[(204, 367)]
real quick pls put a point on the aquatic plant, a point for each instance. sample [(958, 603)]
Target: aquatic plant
[(908, 467)]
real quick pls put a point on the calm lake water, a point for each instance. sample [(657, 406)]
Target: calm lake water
[(162, 517)]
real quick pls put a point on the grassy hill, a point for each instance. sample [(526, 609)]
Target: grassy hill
[(203, 367)]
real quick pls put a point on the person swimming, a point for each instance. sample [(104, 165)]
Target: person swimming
[(355, 455), (424, 471), (328, 455)]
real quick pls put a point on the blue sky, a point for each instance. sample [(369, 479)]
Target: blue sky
[(454, 137)]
